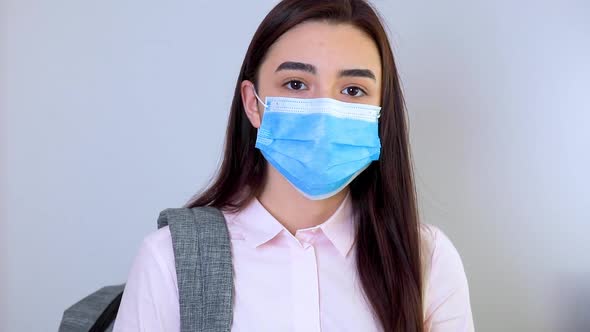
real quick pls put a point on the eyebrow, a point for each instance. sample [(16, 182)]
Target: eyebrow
[(292, 65), (358, 73)]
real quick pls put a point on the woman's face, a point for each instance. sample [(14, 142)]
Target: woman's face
[(318, 60)]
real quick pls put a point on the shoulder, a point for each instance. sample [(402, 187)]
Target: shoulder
[(440, 258), (155, 257), (446, 289), (158, 239), (150, 298), (437, 249), (159, 244)]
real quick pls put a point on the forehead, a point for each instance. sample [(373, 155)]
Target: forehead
[(326, 45)]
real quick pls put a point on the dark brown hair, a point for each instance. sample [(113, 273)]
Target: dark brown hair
[(383, 196)]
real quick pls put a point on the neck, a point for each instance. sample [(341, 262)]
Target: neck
[(290, 207)]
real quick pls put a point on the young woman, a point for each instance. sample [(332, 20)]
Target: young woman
[(317, 192)]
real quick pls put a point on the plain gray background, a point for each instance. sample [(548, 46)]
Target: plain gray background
[(114, 110)]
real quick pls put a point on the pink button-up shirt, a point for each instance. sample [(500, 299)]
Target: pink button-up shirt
[(305, 282)]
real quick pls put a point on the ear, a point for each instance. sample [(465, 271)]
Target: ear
[(250, 103)]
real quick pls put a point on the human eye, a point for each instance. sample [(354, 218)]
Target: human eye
[(295, 85), (354, 91)]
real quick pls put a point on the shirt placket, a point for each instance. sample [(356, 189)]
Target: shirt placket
[(305, 285)]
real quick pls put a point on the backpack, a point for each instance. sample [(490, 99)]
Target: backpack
[(204, 270)]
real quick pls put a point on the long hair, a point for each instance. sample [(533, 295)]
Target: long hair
[(383, 196)]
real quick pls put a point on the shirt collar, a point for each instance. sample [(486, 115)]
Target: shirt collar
[(258, 226)]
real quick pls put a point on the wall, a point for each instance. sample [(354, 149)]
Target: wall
[(111, 111)]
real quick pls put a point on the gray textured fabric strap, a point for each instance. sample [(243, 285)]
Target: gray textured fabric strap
[(203, 267), (83, 315)]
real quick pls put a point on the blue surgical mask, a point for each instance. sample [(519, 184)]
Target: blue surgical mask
[(319, 145)]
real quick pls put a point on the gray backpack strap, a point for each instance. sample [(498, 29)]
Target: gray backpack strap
[(204, 270), (94, 313)]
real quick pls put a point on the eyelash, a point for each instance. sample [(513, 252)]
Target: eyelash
[(364, 93), (288, 85)]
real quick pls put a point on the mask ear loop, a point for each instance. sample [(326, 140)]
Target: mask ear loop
[(257, 97)]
